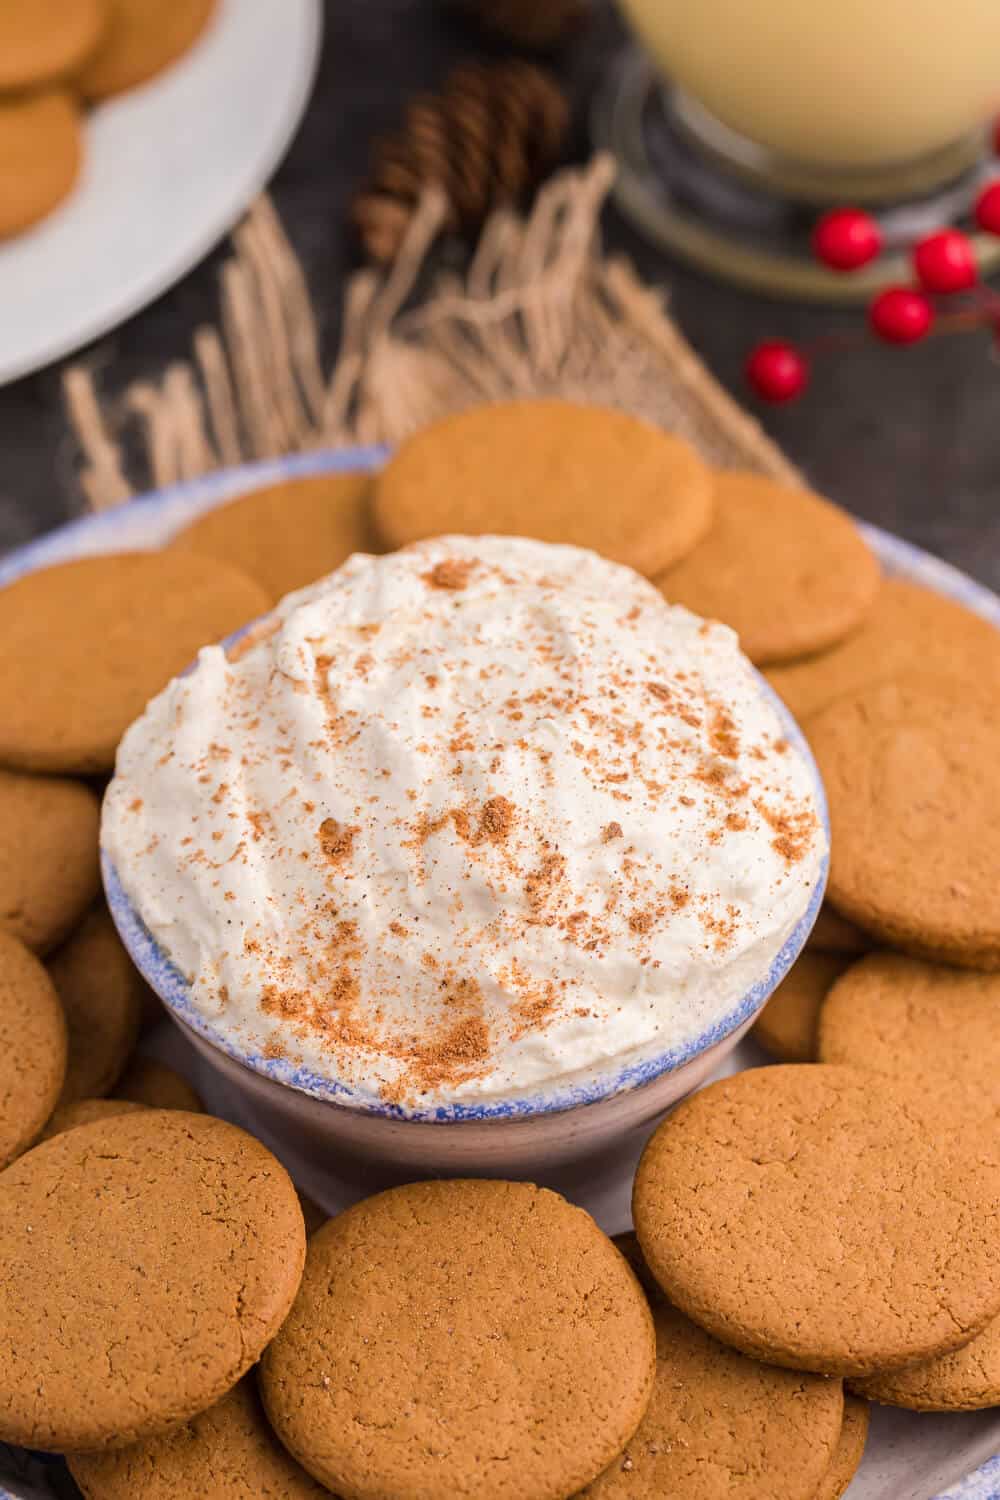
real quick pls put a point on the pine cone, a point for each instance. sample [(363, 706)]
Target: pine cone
[(491, 134), (539, 25)]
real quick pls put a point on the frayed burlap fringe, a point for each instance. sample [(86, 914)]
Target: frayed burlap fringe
[(541, 310)]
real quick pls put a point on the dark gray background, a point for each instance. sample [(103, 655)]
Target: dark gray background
[(910, 439)]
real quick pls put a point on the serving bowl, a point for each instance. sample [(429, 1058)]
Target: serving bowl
[(305, 1114)]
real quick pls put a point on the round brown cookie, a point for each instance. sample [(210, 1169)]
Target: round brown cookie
[(719, 1425), (149, 1082), (423, 1294), (101, 994), (803, 1216), (227, 1453), (174, 1241), (41, 149), (789, 571), (32, 1048), (39, 43), (849, 1452), (936, 1025), (86, 1112), (49, 864), (142, 38), (912, 780), (788, 1024), (908, 629), (835, 934), (966, 1380), (584, 475), (289, 534), (86, 644)]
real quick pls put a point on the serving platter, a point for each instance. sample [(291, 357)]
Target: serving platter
[(169, 168), (909, 1456)]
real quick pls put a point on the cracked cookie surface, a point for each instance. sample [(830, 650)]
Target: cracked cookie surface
[(227, 1453), (145, 1262), (32, 1048), (720, 1426), (913, 787), (819, 1219), (49, 870), (461, 1338)]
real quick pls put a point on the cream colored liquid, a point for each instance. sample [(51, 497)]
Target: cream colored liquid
[(836, 82)]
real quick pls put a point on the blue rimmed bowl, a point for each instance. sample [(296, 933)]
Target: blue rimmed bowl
[(578, 1119)]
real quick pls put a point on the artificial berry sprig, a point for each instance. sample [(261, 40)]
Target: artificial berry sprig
[(944, 265)]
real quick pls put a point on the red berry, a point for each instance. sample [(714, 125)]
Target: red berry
[(988, 208), (900, 315), (777, 371), (846, 238), (945, 262)]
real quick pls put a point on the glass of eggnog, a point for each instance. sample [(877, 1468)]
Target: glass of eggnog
[(797, 103)]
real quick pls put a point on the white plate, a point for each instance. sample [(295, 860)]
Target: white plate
[(909, 1456), (169, 168)]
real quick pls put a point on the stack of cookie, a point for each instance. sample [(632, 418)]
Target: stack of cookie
[(56, 59), (834, 1219)]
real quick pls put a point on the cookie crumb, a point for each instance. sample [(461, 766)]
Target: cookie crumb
[(450, 573)]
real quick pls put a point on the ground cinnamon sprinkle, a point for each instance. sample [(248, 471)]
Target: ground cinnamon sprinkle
[(496, 819), (722, 734), (611, 831), (453, 1057), (336, 841), (450, 573), (795, 831), (494, 824), (540, 884)]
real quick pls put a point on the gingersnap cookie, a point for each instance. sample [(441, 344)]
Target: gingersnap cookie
[(86, 1112), (787, 570), (142, 38), (41, 150), (424, 1294), (804, 1217), (719, 1424), (174, 1241), (912, 781), (833, 933), (149, 1082), (49, 865), (849, 1452), (553, 470), (32, 1048), (966, 1380), (936, 1025), (908, 629), (40, 43), (100, 993), (788, 1024), (288, 535), (226, 1453), (85, 645)]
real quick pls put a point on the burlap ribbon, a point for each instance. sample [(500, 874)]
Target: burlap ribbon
[(542, 309)]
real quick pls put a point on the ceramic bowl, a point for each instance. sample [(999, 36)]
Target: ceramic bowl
[(307, 1118)]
